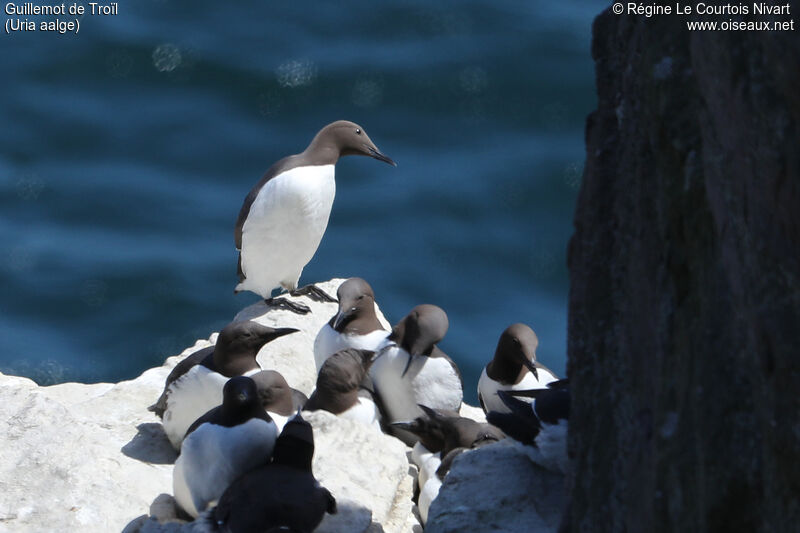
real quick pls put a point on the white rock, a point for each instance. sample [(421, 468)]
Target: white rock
[(71, 457), (497, 488)]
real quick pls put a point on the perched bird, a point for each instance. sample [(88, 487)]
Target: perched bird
[(281, 496), (195, 385), (543, 423), (279, 399), (514, 367), (412, 370), (355, 325), (282, 220), (343, 388), (446, 431), (223, 444), (442, 436)]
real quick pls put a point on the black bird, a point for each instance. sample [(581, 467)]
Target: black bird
[(283, 494), (543, 423), (224, 443)]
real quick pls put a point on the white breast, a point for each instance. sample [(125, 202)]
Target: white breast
[(329, 341), (285, 226), (427, 462), (487, 389), (190, 397), (364, 411), (430, 381), (427, 494), (279, 420), (213, 456)]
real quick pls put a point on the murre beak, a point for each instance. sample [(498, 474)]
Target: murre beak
[(408, 365), (408, 426), (342, 316), (531, 366), (279, 332), (373, 152)]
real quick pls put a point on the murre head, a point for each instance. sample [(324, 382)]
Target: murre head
[(342, 138), (427, 428), (460, 432), (421, 329), (240, 392), (274, 392), (340, 379), (240, 403), (356, 308), (515, 355), (295, 444), (239, 343)]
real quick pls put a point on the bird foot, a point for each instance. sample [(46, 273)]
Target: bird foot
[(315, 293), (283, 303)]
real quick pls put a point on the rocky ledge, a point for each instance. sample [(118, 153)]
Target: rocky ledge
[(91, 457)]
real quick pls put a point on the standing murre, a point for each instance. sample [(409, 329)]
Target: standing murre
[(195, 385), (284, 216), (355, 325), (343, 388), (514, 367), (543, 423), (221, 445), (412, 370), (277, 398), (281, 496)]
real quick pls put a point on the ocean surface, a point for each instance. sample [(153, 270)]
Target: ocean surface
[(126, 151)]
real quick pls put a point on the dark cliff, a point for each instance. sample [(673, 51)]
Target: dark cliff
[(684, 327)]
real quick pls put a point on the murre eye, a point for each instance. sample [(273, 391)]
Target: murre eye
[(358, 131)]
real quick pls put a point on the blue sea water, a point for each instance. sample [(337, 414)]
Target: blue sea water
[(127, 149)]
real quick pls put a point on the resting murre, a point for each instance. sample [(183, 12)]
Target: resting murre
[(221, 445), (442, 431), (279, 399), (443, 435), (543, 423), (284, 216), (195, 385), (412, 370), (343, 388), (355, 324), (514, 367), (281, 496)]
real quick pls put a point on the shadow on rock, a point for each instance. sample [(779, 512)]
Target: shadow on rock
[(150, 445), (350, 516), (164, 517)]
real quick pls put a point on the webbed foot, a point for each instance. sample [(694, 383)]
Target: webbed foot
[(283, 303), (315, 293)]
